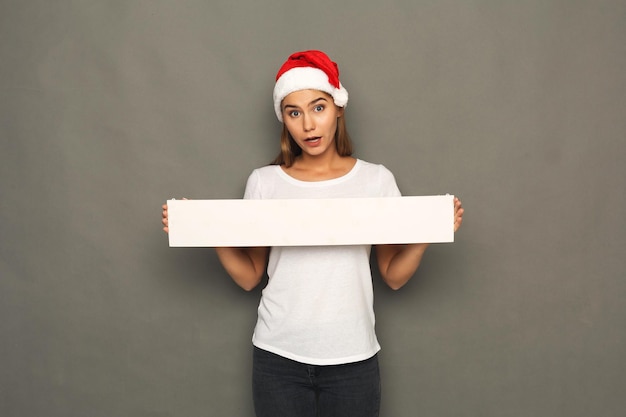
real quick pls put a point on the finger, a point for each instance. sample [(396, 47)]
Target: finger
[(458, 220)]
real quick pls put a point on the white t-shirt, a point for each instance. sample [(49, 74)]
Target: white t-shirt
[(317, 307)]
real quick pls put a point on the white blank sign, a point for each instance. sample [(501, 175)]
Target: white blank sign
[(311, 222)]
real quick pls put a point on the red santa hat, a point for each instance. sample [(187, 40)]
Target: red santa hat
[(308, 70)]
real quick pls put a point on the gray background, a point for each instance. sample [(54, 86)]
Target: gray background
[(108, 108)]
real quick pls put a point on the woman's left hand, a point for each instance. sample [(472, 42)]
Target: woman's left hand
[(458, 213)]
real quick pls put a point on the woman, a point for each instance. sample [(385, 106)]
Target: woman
[(315, 348)]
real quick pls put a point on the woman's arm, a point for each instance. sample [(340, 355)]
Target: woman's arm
[(245, 265), (398, 263)]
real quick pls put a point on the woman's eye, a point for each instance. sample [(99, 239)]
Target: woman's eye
[(319, 108), (294, 113)]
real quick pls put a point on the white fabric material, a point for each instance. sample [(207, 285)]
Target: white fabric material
[(317, 307)]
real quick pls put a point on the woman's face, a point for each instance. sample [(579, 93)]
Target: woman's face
[(311, 118)]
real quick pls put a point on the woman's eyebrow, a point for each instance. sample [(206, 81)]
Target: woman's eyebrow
[(312, 103), (316, 100)]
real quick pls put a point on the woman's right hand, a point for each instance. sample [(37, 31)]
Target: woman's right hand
[(164, 219)]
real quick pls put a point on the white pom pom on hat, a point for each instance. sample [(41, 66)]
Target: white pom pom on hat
[(306, 70)]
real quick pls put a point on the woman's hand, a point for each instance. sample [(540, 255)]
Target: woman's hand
[(458, 213), (164, 220)]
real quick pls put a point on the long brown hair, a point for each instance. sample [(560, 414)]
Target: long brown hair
[(289, 149)]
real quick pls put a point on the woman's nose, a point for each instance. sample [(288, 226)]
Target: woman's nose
[(309, 123)]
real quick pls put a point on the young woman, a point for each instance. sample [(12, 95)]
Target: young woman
[(315, 348)]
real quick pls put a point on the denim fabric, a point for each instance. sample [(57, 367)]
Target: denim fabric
[(286, 388)]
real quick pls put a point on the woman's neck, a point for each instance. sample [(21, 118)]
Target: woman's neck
[(307, 168)]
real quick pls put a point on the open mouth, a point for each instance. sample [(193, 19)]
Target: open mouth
[(313, 139)]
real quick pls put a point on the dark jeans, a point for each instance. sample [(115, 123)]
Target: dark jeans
[(286, 388)]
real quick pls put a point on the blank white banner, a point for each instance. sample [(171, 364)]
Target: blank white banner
[(311, 222)]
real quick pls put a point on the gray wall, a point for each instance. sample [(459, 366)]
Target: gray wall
[(108, 108)]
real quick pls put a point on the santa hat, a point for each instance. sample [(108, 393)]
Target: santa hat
[(308, 70)]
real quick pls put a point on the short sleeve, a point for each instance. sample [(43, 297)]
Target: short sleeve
[(253, 187), (388, 185)]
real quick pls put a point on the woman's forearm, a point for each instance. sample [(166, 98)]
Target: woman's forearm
[(245, 265), (398, 263)]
